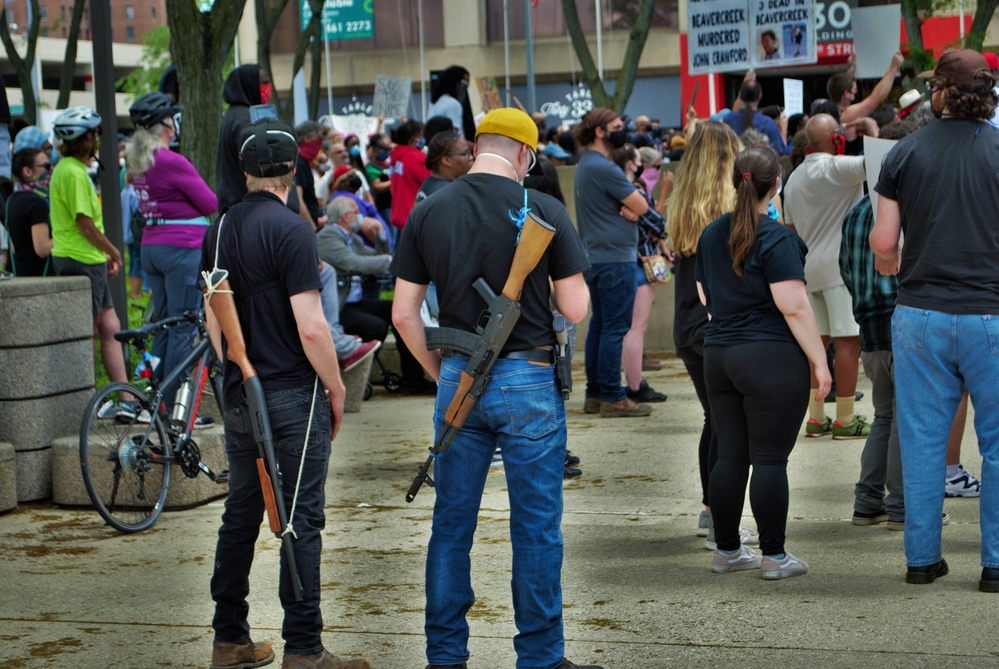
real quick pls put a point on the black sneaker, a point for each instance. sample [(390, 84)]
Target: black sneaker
[(990, 580), (927, 574), (645, 393), (571, 460), (571, 472)]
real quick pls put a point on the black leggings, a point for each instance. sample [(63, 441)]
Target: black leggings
[(707, 450), (758, 394)]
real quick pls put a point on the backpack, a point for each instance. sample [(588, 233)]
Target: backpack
[(137, 225)]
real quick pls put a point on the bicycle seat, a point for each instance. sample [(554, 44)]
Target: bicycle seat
[(140, 334)]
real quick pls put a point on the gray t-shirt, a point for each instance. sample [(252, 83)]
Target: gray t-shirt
[(600, 188)]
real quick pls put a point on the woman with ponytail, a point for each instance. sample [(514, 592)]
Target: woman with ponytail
[(761, 345)]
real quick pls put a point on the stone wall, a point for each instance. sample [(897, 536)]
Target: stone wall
[(46, 371)]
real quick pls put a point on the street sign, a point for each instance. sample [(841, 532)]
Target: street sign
[(343, 19)]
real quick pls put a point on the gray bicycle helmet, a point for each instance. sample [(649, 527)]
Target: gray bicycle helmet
[(75, 122), (152, 108)]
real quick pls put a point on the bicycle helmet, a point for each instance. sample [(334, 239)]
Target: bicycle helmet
[(75, 122), (152, 108)]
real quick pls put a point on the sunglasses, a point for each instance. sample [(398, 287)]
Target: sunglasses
[(47, 166)]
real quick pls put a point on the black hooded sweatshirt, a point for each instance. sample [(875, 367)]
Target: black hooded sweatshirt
[(242, 90)]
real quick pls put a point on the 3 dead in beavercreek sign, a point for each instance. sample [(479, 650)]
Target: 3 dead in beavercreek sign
[(343, 19), (726, 35)]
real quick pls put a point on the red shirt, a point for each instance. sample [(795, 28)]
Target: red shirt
[(407, 171)]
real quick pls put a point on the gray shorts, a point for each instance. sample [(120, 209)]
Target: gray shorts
[(100, 290)]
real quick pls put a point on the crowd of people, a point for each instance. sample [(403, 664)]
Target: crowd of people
[(787, 277)]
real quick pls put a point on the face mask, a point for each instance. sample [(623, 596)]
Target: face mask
[(357, 222), (639, 170), (420, 144), (355, 151), (618, 138), (121, 163), (266, 91), (310, 149), (382, 155)]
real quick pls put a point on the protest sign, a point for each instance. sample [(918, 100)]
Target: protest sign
[(794, 96), (783, 32), (718, 35), (391, 95), (875, 151), (489, 93), (356, 124), (876, 34)]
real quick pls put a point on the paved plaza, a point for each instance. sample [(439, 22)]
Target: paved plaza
[(638, 589)]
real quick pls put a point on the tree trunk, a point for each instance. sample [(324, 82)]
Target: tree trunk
[(316, 72), (24, 65), (200, 57), (921, 59), (69, 62), (267, 19), (626, 79), (983, 15), (303, 45)]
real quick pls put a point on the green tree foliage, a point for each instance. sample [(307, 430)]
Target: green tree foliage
[(155, 59), (23, 66), (915, 12)]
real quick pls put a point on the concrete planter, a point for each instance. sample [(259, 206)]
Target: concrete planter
[(8, 478)]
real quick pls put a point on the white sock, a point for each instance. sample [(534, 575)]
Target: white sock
[(953, 471)]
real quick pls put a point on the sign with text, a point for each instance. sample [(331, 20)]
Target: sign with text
[(391, 95), (343, 19), (794, 96), (489, 93), (727, 35)]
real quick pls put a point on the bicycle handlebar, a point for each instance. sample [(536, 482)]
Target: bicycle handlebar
[(196, 316)]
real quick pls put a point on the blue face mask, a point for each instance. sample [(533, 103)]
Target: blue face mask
[(382, 155), (422, 143), (355, 151), (357, 222)]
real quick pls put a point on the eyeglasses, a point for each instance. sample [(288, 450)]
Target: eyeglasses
[(468, 154), (44, 166)]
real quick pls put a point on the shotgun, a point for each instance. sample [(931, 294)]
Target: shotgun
[(223, 305), (484, 349)]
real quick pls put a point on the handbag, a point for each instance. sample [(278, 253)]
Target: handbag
[(653, 261)]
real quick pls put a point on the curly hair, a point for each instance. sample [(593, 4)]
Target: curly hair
[(969, 104)]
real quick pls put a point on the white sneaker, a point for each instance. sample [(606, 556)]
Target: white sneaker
[(963, 485), (741, 560), (107, 410), (703, 524), (785, 567), (747, 537)]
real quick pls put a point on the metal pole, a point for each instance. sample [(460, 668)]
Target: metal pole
[(506, 46), (329, 70), (235, 51), (423, 66), (962, 22), (35, 78), (600, 38), (712, 96), (529, 43), (100, 17)]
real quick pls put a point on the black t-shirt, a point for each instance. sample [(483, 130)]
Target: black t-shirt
[(944, 178), (304, 178), (742, 308), (430, 186), (24, 210), (262, 241), (689, 315), (465, 232)]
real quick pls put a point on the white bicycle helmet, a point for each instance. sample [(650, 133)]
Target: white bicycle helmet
[(75, 122)]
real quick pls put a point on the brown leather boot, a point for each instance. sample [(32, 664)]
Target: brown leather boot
[(592, 405), (243, 655), (625, 408), (321, 660)]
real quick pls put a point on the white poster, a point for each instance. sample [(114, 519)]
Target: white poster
[(875, 151), (794, 96), (718, 36), (876, 35), (358, 124), (783, 32), (391, 95)]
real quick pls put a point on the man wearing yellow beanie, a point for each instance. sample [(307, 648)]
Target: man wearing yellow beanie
[(468, 231)]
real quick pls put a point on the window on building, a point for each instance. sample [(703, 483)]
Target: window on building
[(64, 31), (153, 10), (43, 12), (62, 11), (548, 20), (45, 31), (396, 25), (130, 34), (129, 13)]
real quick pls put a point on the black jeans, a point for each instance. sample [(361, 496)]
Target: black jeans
[(758, 394), (244, 511), (707, 449), (370, 320)]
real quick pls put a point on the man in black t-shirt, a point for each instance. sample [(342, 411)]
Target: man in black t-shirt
[(310, 143), (273, 268), (28, 215), (467, 231), (938, 186)]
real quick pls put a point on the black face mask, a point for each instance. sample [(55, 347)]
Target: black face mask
[(618, 138), (638, 172)]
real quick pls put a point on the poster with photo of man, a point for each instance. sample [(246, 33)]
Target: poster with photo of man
[(784, 31), (769, 47)]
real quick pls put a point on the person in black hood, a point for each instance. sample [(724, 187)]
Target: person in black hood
[(246, 86), (450, 98), (169, 86)]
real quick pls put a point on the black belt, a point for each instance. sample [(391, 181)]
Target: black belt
[(545, 355)]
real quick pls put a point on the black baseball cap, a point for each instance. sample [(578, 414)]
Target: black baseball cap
[(266, 147)]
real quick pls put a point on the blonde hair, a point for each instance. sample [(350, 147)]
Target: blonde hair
[(704, 189), (258, 184), (141, 149)]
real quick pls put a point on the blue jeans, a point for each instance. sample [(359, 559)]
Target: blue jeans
[(937, 355), (612, 298), (172, 273), (344, 344), (5, 157), (244, 511), (522, 413)]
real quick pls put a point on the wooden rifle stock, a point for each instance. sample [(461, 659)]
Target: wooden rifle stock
[(223, 306), (534, 240)]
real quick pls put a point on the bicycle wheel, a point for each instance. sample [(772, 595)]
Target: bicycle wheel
[(118, 456)]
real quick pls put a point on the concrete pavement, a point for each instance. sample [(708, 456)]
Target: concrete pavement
[(638, 590)]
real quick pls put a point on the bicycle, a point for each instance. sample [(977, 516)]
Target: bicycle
[(128, 440)]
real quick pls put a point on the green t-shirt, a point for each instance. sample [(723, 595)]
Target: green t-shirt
[(71, 192)]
